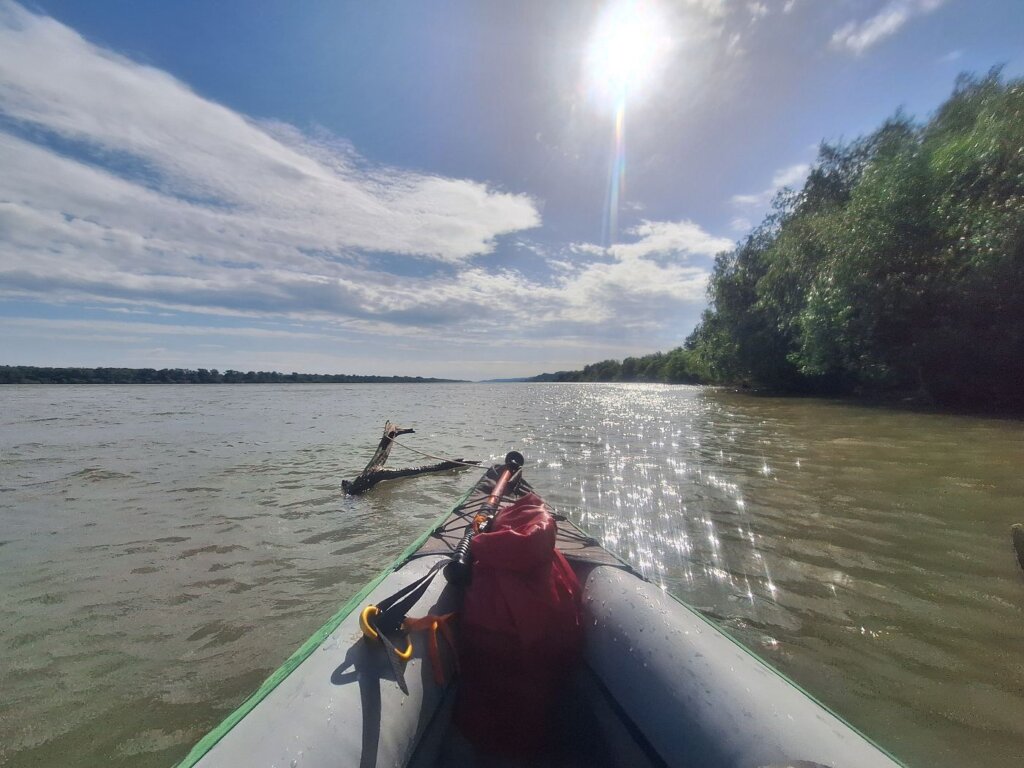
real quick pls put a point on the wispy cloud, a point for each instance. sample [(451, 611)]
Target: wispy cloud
[(120, 181), (123, 188), (757, 9), (858, 36), (679, 238), (634, 283), (740, 224), (712, 8), (791, 176), (125, 331)]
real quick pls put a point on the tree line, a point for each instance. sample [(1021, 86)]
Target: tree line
[(897, 269), (675, 367), (27, 374)]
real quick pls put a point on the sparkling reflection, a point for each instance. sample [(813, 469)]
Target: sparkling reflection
[(771, 517), (661, 482), (871, 558)]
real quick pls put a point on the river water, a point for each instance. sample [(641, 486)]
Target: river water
[(163, 549)]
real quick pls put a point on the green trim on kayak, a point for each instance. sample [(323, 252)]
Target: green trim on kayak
[(306, 650)]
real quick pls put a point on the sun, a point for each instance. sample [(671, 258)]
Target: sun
[(627, 51)]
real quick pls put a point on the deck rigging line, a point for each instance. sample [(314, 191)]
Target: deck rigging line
[(432, 456)]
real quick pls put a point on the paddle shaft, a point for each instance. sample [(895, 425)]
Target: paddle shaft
[(458, 570)]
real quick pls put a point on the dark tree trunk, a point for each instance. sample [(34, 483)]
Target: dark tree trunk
[(1017, 533), (374, 471)]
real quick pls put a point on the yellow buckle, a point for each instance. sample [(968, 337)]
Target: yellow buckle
[(364, 624)]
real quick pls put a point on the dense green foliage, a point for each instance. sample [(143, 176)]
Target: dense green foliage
[(676, 367), (27, 374), (898, 268)]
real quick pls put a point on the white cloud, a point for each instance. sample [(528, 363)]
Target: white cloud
[(639, 282), (740, 224), (125, 331), (754, 199), (627, 289), (681, 238), (138, 144), (712, 8), (122, 189), (791, 176), (591, 248), (632, 294), (636, 284), (734, 45), (757, 10), (857, 36)]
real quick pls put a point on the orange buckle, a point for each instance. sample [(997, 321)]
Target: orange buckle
[(431, 624)]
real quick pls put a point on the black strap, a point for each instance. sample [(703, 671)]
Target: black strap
[(394, 608), (397, 666)]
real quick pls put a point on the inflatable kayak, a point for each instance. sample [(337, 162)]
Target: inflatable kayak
[(625, 674)]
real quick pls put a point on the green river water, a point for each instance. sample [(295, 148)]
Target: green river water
[(163, 549)]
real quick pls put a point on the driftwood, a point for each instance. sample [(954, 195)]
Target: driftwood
[(1017, 534), (374, 471)]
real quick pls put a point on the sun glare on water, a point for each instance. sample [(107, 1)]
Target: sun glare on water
[(628, 51)]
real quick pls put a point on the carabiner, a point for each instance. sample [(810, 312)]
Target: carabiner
[(372, 611)]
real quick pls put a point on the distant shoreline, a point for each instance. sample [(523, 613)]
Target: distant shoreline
[(28, 374)]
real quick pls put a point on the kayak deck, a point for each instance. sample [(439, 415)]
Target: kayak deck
[(658, 685), (582, 550)]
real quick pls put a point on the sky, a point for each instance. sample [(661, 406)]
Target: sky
[(462, 189)]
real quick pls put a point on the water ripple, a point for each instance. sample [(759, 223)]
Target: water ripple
[(164, 548)]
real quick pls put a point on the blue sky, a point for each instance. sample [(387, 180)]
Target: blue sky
[(461, 189)]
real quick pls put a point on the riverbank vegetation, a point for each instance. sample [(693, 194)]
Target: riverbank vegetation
[(676, 367), (897, 270), (27, 374)]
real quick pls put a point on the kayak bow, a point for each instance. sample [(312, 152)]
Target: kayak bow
[(659, 684)]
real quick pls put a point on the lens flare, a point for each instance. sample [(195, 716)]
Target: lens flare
[(617, 177), (628, 49)]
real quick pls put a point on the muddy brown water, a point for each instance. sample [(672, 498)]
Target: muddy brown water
[(163, 549)]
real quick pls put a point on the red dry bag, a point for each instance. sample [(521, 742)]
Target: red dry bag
[(520, 632)]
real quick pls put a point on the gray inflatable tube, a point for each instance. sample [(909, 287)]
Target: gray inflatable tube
[(697, 696)]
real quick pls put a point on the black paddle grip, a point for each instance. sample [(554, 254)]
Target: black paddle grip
[(459, 569)]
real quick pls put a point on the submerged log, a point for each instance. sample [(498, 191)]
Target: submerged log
[(374, 471), (1017, 534)]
